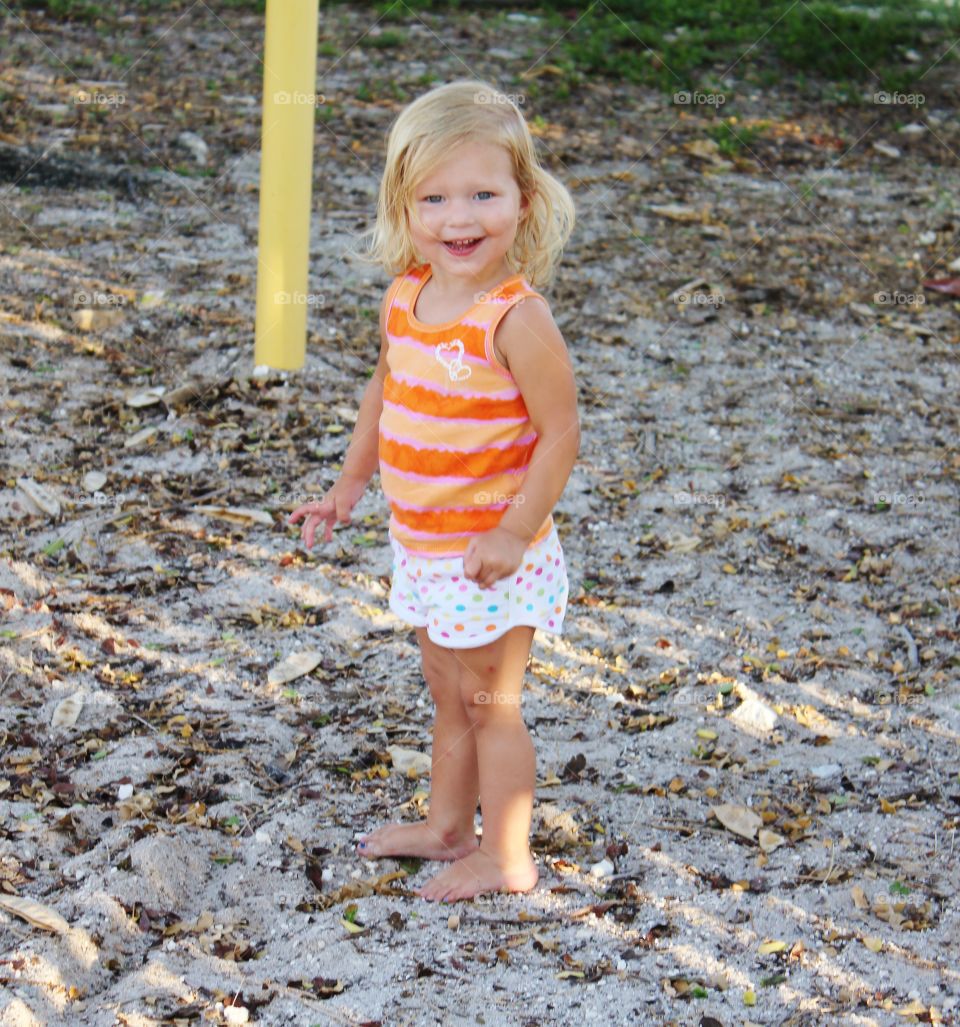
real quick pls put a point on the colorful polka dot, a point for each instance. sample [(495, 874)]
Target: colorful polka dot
[(427, 589)]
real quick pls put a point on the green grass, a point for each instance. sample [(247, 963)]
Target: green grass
[(677, 46), (832, 48), (683, 45), (733, 140)]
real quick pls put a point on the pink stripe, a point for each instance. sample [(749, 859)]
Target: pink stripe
[(426, 536), (429, 348), (419, 444), (409, 379), (416, 508), (429, 535), (447, 480), (453, 420)]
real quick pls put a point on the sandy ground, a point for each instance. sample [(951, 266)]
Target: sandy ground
[(761, 536)]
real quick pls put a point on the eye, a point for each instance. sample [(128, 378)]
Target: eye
[(485, 192), (433, 196)]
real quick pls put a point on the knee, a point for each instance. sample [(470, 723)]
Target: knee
[(441, 677), (486, 706)]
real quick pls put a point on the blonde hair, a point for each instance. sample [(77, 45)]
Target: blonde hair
[(423, 136)]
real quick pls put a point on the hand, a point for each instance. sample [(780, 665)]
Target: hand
[(335, 506), (492, 556)]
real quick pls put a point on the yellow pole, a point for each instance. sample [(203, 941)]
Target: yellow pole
[(286, 172)]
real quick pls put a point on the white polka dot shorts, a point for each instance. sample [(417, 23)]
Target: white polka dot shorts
[(432, 593)]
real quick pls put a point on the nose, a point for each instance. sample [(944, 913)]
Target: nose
[(458, 213)]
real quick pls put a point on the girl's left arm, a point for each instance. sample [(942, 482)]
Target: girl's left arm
[(537, 357)]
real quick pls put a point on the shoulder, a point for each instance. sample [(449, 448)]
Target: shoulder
[(528, 318), (393, 289)]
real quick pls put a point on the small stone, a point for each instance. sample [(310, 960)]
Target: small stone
[(602, 869), (124, 792), (236, 1014), (453, 921)]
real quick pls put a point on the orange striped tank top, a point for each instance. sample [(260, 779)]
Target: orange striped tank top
[(455, 436)]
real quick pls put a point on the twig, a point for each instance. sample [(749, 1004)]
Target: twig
[(674, 827), (911, 646), (142, 721)]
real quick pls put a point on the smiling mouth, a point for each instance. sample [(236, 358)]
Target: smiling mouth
[(462, 245)]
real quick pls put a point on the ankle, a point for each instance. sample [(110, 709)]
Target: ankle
[(453, 835)]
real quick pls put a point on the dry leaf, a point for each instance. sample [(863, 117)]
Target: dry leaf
[(34, 913), (147, 397), (39, 496), (770, 840), (409, 761), (677, 212), (739, 819), (243, 515), (67, 711), (140, 437), (294, 666)]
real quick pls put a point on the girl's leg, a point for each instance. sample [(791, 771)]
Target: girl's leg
[(491, 684), (448, 831)]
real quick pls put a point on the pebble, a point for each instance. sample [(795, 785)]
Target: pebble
[(124, 791), (602, 869)]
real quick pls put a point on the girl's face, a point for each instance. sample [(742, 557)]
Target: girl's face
[(472, 197)]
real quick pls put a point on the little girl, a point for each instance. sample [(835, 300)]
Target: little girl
[(471, 418)]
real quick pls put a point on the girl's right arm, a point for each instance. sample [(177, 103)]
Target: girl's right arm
[(360, 460)]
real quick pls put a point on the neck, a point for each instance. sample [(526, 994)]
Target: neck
[(458, 286)]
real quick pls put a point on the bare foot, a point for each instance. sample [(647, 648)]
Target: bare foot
[(414, 840), (478, 873)]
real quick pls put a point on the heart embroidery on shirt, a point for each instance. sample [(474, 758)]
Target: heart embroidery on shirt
[(450, 354)]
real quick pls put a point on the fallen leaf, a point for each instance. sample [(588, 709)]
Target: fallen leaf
[(739, 819), (67, 711), (769, 840), (409, 761), (243, 515), (39, 496), (294, 666), (34, 913)]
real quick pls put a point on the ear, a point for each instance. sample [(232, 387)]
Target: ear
[(525, 207)]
